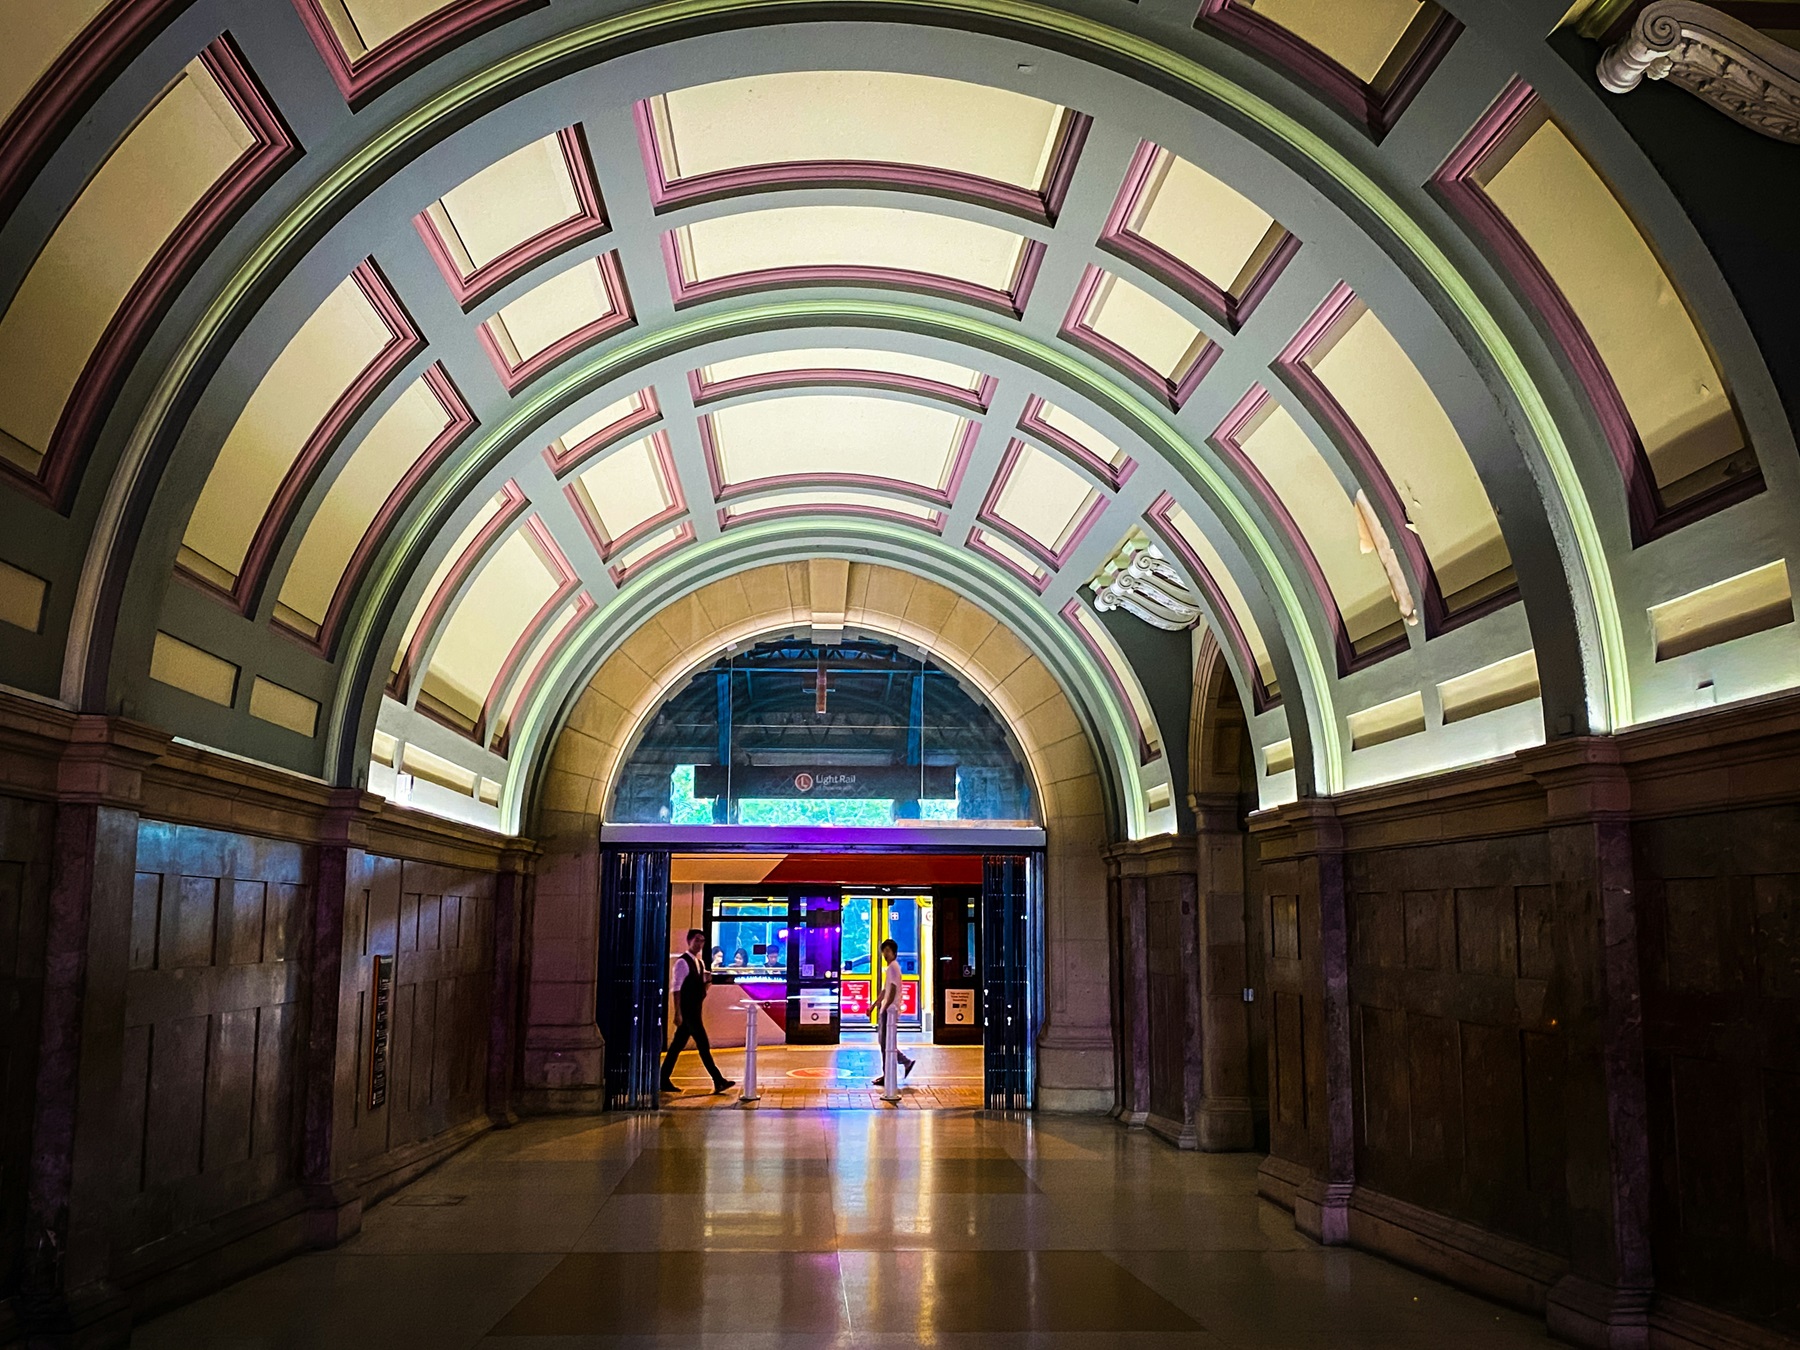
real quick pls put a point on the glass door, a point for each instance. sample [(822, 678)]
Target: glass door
[(816, 923)]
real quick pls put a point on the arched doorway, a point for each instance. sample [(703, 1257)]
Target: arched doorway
[(609, 719)]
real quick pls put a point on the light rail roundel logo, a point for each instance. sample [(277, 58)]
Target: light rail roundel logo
[(803, 782)]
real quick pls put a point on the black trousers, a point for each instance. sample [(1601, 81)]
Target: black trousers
[(691, 1028)]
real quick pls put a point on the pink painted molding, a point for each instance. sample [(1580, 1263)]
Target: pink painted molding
[(607, 437), (1501, 129), (1039, 580), (462, 421), (53, 105), (1010, 301), (404, 342), (713, 391), (684, 535), (491, 534), (1295, 366), (1077, 328), (988, 515), (1032, 422), (606, 545), (1147, 754), (1227, 620), (360, 78), (1376, 106), (501, 743), (271, 150), (1041, 204), (938, 496), (729, 519), (621, 317), (1225, 441), (588, 221), (1117, 238), (567, 584)]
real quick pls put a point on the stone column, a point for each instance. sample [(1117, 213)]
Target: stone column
[(335, 1206), (68, 1298), (1312, 1161), (512, 887), (1226, 1119), (1605, 1300), (1131, 985)]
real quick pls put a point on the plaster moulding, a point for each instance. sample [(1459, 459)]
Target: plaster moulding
[(1751, 78)]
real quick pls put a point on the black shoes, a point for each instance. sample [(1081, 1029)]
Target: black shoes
[(723, 1085)]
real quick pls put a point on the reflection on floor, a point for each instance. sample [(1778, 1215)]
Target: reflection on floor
[(835, 1078), (843, 1229)]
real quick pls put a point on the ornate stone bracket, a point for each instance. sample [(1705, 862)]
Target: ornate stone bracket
[(1749, 77), (1141, 581)]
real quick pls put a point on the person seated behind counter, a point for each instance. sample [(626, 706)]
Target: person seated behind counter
[(741, 959)]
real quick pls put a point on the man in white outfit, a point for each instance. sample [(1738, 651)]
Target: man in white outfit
[(889, 1010)]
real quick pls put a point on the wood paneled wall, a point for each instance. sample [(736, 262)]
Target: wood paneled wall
[(24, 906)]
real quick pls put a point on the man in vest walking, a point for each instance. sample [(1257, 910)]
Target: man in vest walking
[(691, 979)]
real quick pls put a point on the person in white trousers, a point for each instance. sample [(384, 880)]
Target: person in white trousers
[(889, 1010)]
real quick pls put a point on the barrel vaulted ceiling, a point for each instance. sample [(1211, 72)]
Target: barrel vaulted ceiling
[(373, 368)]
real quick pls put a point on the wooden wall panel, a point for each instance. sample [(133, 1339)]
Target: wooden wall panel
[(25, 831), (1720, 933), (437, 922), (1451, 965), (211, 1050)]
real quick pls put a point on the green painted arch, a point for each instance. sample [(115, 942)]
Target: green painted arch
[(896, 546), (363, 647), (1607, 683)]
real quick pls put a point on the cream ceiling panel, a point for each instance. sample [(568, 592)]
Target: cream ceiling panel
[(1145, 327), (1044, 498), (177, 150), (393, 445), (494, 612), (826, 501), (36, 34), (634, 555), (626, 487), (1101, 447), (851, 236), (1211, 227), (483, 518), (510, 201), (812, 434), (1376, 383), (334, 346), (1569, 217), (844, 358), (1195, 538), (860, 115), (363, 25), (609, 416), (1015, 555), (549, 312), (1360, 37), (1326, 518)]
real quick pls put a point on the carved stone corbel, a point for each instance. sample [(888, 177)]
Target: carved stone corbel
[(1749, 77)]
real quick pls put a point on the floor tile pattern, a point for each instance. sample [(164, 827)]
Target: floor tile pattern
[(839, 1229)]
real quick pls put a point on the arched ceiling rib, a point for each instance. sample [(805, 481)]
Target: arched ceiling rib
[(547, 282)]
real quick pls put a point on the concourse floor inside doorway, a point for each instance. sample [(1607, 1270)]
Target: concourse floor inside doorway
[(834, 1078), (835, 1229)]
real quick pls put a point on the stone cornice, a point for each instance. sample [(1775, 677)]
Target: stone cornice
[(1751, 78)]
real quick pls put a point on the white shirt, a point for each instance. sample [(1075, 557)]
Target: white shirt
[(890, 986)]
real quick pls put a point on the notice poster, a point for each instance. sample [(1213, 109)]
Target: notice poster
[(959, 1007)]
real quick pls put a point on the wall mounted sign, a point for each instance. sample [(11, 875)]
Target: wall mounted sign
[(382, 988), (896, 782), (959, 1007)]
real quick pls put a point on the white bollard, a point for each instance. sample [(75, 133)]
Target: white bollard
[(749, 1094), (890, 1059)]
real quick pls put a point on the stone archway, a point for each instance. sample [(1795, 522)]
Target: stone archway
[(562, 1050)]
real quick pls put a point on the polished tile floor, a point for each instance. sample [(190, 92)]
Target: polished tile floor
[(834, 1078), (756, 1230)]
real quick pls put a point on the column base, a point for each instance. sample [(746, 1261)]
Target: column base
[(1225, 1127), (1601, 1316), (1322, 1211), (333, 1215)]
